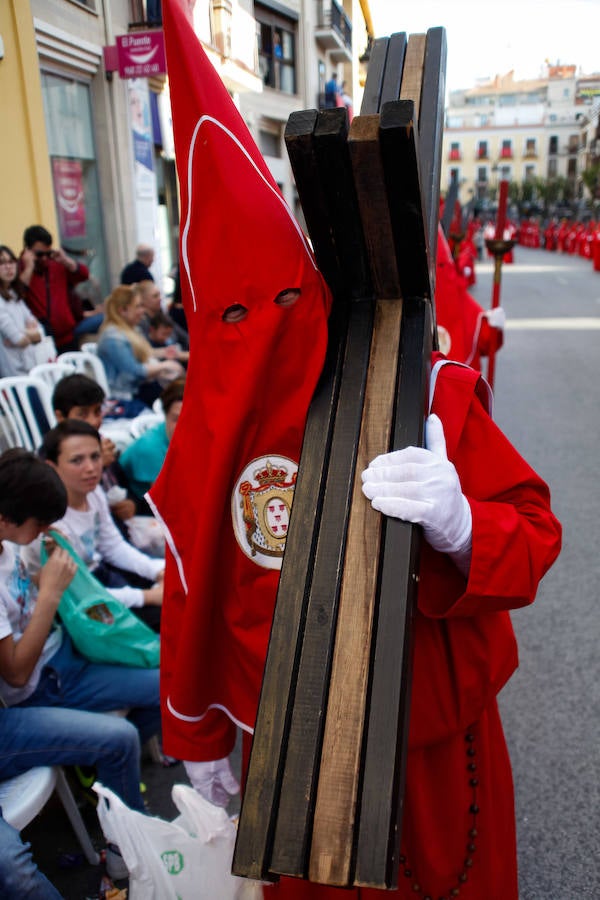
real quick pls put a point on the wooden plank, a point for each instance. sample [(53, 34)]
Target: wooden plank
[(372, 93), (431, 124), (335, 813), (301, 152), (400, 156), (387, 734), (333, 838), (382, 790), (412, 75), (256, 826), (261, 795), (296, 801), (363, 143), (394, 65), (335, 176)]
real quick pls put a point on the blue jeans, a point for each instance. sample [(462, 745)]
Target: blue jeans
[(69, 680), (20, 878), (45, 736)]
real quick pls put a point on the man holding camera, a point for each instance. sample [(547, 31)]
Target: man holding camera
[(50, 276)]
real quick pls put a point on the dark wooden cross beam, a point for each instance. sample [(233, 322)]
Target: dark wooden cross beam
[(324, 790)]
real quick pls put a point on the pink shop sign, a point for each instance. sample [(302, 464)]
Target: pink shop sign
[(67, 175), (141, 54)]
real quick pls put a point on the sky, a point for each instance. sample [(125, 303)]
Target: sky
[(490, 38)]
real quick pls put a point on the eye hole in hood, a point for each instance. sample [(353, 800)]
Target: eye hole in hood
[(235, 313), (287, 297)]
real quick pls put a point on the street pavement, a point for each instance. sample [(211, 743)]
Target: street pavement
[(547, 404), (546, 391)]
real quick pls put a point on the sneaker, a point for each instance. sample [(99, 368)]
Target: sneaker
[(115, 864)]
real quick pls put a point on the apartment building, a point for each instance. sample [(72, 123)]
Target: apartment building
[(517, 130), (301, 43)]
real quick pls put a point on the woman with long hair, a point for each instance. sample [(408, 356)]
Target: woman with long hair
[(133, 372), (19, 329)]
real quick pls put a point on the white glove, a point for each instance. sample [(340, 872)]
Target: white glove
[(422, 486), (496, 317), (213, 780)]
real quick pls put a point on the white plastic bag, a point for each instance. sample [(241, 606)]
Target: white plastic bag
[(146, 534), (187, 859), (45, 350)]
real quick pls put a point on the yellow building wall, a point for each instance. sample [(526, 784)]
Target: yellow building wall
[(27, 195)]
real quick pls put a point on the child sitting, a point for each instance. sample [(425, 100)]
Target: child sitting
[(72, 449), (142, 461), (38, 664), (79, 397)]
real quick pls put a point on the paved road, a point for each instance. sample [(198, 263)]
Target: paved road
[(547, 402)]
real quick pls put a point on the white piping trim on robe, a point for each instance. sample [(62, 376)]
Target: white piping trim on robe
[(184, 249), (184, 718), (469, 358), (169, 539), (445, 362)]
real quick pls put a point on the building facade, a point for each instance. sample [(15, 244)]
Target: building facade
[(518, 131)]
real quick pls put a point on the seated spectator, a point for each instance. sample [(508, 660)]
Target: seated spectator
[(153, 305), (56, 697), (51, 736), (142, 461), (49, 276), (92, 304), (133, 372), (79, 397), (162, 339), (39, 667), (160, 330), (139, 269), (19, 329), (72, 449)]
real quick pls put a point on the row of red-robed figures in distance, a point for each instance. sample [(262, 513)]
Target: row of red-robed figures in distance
[(558, 235)]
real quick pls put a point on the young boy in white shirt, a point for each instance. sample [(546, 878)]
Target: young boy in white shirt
[(73, 449)]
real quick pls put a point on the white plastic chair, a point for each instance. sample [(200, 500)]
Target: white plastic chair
[(89, 347), (26, 412), (52, 372), (87, 364), (25, 795)]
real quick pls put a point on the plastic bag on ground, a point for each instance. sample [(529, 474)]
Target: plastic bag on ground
[(186, 859)]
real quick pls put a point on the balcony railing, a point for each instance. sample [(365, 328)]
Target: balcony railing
[(506, 153), (455, 156), (482, 154), (334, 30), (145, 14)]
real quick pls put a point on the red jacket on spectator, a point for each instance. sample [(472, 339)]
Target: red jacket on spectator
[(48, 296)]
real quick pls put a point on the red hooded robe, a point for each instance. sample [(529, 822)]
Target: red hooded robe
[(225, 489), (465, 334)]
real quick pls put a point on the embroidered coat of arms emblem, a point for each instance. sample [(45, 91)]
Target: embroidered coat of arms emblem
[(261, 506)]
